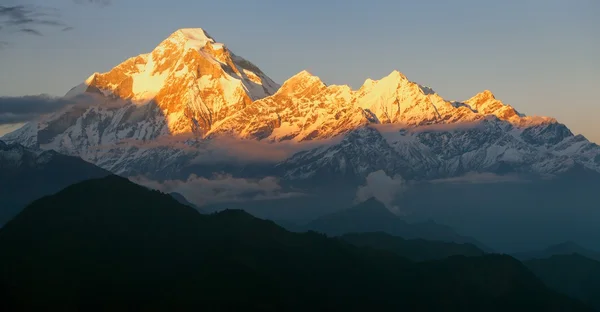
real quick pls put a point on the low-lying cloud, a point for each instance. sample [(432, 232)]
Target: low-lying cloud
[(26, 108), (481, 178), (220, 188), (383, 188), (231, 149)]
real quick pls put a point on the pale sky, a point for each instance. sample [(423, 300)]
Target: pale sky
[(541, 56)]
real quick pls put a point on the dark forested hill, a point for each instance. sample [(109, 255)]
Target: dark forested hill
[(108, 244)]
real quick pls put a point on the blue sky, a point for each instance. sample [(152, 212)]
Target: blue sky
[(541, 56)]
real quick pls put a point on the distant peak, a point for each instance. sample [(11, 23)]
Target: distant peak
[(483, 96), (487, 94), (301, 80), (568, 244), (371, 204), (194, 34), (192, 38), (303, 74), (395, 74), (369, 81), (393, 78)]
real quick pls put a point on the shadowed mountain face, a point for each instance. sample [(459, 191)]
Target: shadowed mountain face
[(571, 274), (26, 175), (108, 244)]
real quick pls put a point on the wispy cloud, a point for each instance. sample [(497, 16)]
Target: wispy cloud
[(227, 149), (31, 31), (28, 19), (32, 19), (383, 188)]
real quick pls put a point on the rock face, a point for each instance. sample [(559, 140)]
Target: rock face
[(156, 113)]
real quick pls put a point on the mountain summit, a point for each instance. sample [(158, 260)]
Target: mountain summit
[(194, 80)]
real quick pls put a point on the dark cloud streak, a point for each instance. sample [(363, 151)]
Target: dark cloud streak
[(27, 108), (27, 18), (96, 2), (31, 31)]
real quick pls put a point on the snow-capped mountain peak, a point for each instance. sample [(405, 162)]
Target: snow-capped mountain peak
[(486, 103), (193, 87), (191, 80), (192, 38), (300, 82)]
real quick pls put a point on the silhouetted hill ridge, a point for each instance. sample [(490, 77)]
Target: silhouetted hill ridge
[(108, 244), (414, 249), (565, 248)]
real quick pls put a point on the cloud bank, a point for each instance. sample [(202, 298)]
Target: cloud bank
[(26, 108), (480, 178), (227, 148), (220, 188), (383, 188)]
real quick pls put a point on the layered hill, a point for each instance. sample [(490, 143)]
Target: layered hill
[(108, 244)]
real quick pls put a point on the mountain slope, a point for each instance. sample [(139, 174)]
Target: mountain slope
[(109, 244), (26, 175)]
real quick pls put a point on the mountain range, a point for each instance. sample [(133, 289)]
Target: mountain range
[(192, 109), (191, 90)]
